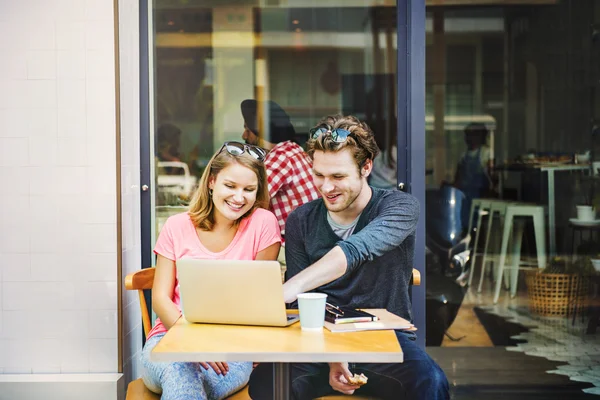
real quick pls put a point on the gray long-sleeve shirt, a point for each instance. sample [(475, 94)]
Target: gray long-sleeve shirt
[(379, 253)]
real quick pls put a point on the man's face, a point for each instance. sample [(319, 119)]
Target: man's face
[(338, 179), (249, 136)]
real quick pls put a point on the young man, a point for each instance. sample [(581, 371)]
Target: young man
[(356, 244), (288, 167)]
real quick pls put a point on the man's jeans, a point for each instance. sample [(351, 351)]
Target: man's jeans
[(418, 377)]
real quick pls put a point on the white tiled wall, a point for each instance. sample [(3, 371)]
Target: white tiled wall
[(58, 241)]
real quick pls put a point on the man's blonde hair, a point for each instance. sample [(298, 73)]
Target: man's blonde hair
[(361, 140)]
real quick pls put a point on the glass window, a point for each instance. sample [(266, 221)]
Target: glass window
[(512, 144), (513, 152), (311, 59)]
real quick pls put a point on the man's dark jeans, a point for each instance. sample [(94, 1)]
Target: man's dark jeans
[(418, 377)]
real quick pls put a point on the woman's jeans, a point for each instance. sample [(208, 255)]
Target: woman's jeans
[(189, 380), (418, 377)]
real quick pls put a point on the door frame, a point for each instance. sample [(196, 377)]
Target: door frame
[(410, 18), (411, 132)]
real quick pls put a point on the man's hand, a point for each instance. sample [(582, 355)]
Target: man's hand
[(290, 291), (329, 268), (339, 376)]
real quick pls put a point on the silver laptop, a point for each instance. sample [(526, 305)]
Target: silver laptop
[(232, 292)]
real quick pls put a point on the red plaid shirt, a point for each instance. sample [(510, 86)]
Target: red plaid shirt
[(290, 180)]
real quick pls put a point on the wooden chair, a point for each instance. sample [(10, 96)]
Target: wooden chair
[(143, 280)]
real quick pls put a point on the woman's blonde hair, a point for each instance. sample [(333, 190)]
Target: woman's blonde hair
[(201, 209)]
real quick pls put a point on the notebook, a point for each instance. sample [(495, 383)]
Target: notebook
[(385, 321), (240, 292), (346, 315)]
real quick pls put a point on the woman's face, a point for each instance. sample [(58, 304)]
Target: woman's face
[(234, 192)]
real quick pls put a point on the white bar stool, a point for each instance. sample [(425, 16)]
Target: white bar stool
[(512, 211), (497, 207), (483, 208)]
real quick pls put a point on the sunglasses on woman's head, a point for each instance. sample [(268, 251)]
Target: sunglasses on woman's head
[(337, 135), (237, 149)]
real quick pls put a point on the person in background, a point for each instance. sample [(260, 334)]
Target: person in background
[(288, 167), (384, 174), (474, 170), (167, 143), (168, 140), (227, 219), (355, 244)]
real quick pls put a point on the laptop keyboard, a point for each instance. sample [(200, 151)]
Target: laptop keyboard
[(290, 317)]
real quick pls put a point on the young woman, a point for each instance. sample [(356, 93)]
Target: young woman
[(227, 219)]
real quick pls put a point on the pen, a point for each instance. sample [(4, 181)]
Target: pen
[(336, 308)]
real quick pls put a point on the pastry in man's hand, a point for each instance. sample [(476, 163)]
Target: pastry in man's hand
[(358, 380)]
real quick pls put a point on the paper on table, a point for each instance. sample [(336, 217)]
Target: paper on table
[(387, 321)]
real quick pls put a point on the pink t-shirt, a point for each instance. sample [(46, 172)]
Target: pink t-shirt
[(178, 239)]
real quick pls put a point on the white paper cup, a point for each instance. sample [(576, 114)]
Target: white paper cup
[(312, 311)]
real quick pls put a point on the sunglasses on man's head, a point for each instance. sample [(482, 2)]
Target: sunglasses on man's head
[(337, 135), (237, 149)]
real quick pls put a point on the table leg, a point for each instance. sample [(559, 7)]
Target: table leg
[(282, 389), (551, 214)]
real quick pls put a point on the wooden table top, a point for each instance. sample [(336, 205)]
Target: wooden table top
[(211, 342)]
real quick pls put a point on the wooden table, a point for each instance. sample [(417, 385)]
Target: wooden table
[(211, 342)]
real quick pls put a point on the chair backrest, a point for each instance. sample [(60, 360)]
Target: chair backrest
[(144, 279), (416, 277), (140, 281)]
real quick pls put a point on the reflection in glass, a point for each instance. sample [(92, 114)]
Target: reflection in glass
[(310, 60), (512, 96)]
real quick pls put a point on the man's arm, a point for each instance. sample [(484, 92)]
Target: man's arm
[(397, 219), (387, 231), (330, 267), (300, 275)]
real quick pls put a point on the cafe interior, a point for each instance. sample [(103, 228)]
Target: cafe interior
[(512, 272)]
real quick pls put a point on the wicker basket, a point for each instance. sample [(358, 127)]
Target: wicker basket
[(556, 295)]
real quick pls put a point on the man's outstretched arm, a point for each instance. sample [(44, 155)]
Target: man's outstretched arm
[(301, 276), (330, 267), (385, 232)]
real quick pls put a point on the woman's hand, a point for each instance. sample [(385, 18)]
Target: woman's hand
[(220, 367), (339, 376)]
